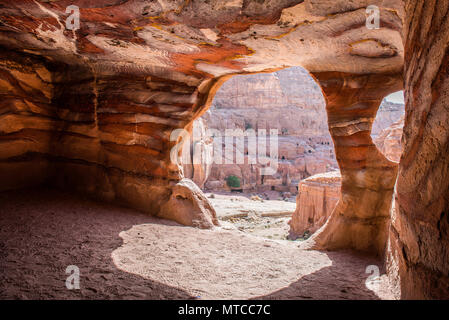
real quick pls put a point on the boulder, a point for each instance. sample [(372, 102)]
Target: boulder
[(188, 205)]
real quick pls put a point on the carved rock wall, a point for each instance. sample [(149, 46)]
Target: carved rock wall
[(319, 194), (93, 109), (104, 135)]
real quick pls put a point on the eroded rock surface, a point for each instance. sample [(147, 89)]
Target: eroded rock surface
[(93, 109), (198, 153), (189, 206), (319, 194)]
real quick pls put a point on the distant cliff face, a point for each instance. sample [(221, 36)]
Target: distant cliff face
[(288, 100), (292, 86)]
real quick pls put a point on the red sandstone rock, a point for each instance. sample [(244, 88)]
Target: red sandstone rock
[(361, 218), (198, 153), (319, 194), (289, 100)]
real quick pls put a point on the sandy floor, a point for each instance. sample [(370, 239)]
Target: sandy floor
[(229, 205), (123, 254), (267, 218), (276, 228)]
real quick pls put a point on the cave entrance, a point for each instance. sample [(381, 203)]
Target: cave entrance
[(299, 197), (287, 101)]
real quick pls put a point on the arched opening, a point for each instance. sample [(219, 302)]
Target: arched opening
[(288, 101)]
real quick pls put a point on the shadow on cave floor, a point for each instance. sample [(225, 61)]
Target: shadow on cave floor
[(124, 254), (344, 279), (44, 231)]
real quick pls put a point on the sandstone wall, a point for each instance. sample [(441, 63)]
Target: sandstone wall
[(93, 109), (318, 195), (362, 217)]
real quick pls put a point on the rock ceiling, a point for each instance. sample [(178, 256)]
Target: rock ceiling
[(192, 40)]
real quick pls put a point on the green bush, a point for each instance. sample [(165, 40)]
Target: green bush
[(233, 182)]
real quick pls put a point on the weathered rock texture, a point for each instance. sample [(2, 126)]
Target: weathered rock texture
[(198, 154), (93, 109), (318, 195), (419, 234), (189, 206)]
